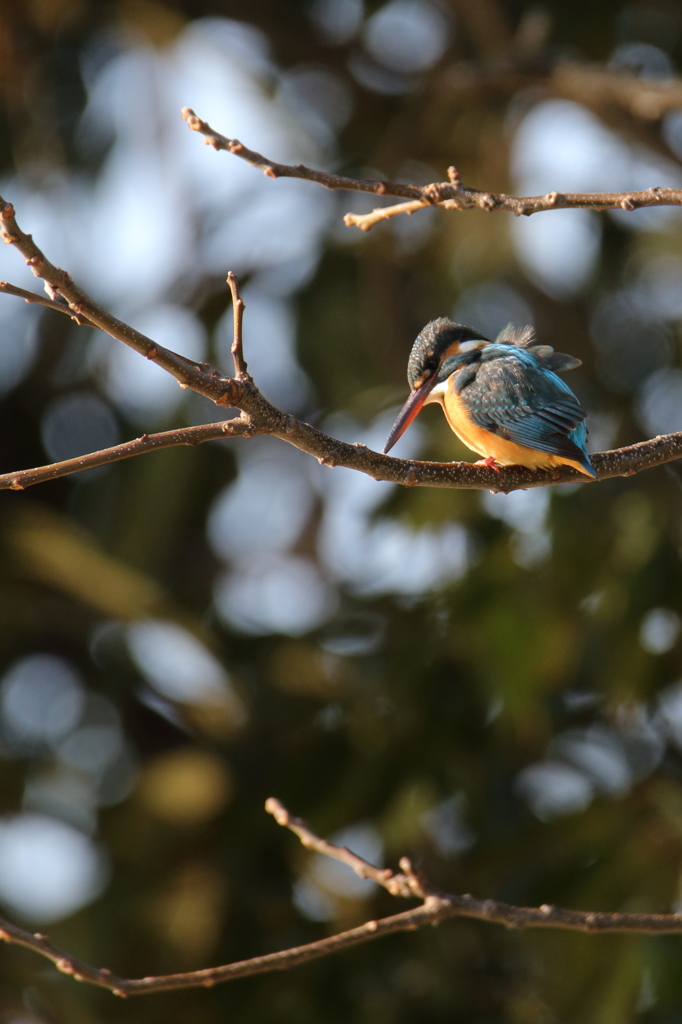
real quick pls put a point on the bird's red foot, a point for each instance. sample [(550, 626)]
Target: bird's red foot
[(489, 462)]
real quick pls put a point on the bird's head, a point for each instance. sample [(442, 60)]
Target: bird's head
[(440, 349)]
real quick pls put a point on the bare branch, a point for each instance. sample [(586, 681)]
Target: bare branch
[(260, 417), (365, 221), (42, 300), (397, 885), (448, 194), (20, 480), (438, 906), (237, 348), (272, 169), (435, 907), (206, 380)]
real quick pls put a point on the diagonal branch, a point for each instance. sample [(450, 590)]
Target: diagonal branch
[(192, 436), (258, 416), (202, 378), (42, 300), (397, 885), (450, 195), (272, 169), (435, 907)]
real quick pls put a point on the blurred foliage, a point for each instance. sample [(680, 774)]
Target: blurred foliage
[(418, 716)]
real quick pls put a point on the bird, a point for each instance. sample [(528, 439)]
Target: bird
[(502, 398)]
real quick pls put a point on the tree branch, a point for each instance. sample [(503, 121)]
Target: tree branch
[(201, 377), (365, 221), (237, 348), (397, 885), (450, 195), (238, 427), (435, 907), (258, 416), (42, 300), (438, 905)]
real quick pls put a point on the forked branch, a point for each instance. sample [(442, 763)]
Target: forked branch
[(258, 416), (451, 195), (435, 906)]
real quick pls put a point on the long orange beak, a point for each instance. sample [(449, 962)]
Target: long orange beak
[(409, 412)]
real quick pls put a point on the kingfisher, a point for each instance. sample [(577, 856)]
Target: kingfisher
[(502, 398)]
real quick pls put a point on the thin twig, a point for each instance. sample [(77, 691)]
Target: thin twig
[(237, 348), (397, 885), (365, 221), (272, 169), (42, 300), (449, 195), (435, 907), (23, 478), (260, 417)]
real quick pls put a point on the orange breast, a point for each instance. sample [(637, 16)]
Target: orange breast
[(487, 444)]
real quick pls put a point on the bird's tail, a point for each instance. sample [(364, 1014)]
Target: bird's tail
[(579, 439), (588, 467)]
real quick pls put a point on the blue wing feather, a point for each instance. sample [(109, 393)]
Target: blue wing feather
[(515, 396)]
